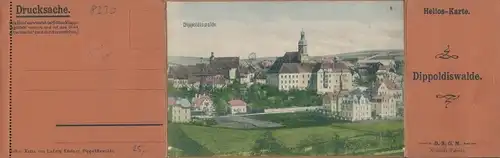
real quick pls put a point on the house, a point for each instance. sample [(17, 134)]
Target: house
[(238, 106), (203, 104), (246, 74), (179, 110), (183, 76), (295, 70), (348, 105), (334, 76), (386, 98), (385, 106), (260, 78), (389, 88), (331, 102)]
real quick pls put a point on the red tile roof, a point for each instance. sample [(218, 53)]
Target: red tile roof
[(237, 103)]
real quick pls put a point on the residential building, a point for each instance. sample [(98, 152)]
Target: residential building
[(179, 110), (182, 76), (331, 102), (387, 95), (385, 106), (334, 76), (202, 103), (348, 105), (389, 88), (238, 106), (260, 78), (246, 75)]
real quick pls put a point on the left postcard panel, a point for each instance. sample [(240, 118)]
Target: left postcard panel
[(285, 78), (85, 79)]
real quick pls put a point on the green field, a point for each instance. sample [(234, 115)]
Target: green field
[(205, 141)]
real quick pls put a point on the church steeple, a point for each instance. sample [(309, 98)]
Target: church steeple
[(302, 47)]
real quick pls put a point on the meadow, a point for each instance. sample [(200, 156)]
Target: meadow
[(195, 140)]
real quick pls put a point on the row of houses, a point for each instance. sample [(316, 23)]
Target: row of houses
[(181, 110), (218, 73), (383, 99)]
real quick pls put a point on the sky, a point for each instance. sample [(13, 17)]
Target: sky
[(271, 28)]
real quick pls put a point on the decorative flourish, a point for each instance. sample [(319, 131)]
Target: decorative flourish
[(448, 98), (446, 54)]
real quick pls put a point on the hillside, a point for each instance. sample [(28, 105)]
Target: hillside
[(398, 53)]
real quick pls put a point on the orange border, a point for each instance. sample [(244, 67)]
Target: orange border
[(405, 2)]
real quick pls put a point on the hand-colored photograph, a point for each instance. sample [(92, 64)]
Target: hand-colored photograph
[(285, 78)]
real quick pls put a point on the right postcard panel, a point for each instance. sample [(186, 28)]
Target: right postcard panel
[(450, 80)]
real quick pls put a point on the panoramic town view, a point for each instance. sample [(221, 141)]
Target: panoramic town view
[(285, 79)]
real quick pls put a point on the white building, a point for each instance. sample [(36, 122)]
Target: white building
[(387, 95), (238, 106), (352, 106), (333, 77), (387, 87), (385, 107), (179, 110)]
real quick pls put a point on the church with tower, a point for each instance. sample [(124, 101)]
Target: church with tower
[(299, 56), (297, 70), (302, 47)]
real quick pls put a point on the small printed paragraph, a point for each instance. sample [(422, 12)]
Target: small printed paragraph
[(44, 27)]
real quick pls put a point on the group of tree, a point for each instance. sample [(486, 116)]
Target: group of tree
[(317, 145), (267, 144)]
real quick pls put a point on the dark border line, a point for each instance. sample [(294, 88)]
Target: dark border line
[(111, 125), (11, 34)]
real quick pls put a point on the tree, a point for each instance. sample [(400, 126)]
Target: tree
[(338, 144), (221, 107), (400, 112), (399, 67), (171, 90), (186, 93), (267, 144), (236, 88)]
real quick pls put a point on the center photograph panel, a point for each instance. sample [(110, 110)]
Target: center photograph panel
[(285, 78)]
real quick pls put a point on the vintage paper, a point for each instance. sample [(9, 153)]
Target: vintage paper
[(83, 79), (450, 83)]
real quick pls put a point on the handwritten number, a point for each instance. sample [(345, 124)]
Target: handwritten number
[(137, 148), (102, 9)]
